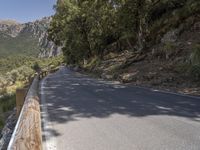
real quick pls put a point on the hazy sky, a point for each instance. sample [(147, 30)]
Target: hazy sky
[(26, 10)]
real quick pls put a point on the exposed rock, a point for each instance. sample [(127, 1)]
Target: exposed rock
[(37, 29), (107, 76), (7, 131), (171, 36), (10, 29), (76, 68), (128, 77)]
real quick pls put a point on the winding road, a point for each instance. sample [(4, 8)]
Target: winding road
[(83, 113)]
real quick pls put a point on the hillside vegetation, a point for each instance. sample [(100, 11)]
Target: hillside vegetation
[(15, 72), (8, 22), (151, 43), (23, 44), (20, 46)]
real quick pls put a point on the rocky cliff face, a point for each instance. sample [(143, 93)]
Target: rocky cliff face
[(37, 29), (10, 28)]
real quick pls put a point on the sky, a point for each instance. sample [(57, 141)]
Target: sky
[(26, 10)]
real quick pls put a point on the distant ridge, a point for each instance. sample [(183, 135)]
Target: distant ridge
[(9, 22), (26, 38)]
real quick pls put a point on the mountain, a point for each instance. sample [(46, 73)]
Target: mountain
[(8, 22), (26, 39)]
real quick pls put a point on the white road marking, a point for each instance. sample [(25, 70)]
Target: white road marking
[(50, 141)]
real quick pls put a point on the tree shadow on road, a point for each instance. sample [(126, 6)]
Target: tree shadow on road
[(73, 96)]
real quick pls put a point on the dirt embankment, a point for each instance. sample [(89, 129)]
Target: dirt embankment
[(163, 66)]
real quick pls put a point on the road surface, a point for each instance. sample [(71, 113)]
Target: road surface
[(82, 113)]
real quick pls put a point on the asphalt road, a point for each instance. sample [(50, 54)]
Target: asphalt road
[(82, 113)]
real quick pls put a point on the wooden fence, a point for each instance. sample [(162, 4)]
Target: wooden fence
[(27, 134)]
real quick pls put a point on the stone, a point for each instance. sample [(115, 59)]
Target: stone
[(107, 76), (7, 131), (37, 29), (171, 36), (128, 77), (76, 68)]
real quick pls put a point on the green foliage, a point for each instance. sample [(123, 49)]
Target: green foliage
[(195, 62), (23, 44), (193, 66), (36, 67), (3, 91), (7, 103), (13, 77), (94, 62), (168, 50), (166, 15), (86, 28), (1, 123), (195, 71), (195, 56), (23, 71), (12, 62)]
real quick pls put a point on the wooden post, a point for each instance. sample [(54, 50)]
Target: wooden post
[(20, 97)]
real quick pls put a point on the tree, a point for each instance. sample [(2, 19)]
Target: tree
[(86, 28)]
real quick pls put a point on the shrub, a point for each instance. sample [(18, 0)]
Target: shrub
[(1, 123), (195, 62), (3, 82), (36, 67), (195, 71), (195, 56), (14, 74), (24, 73), (168, 50), (93, 62), (3, 91), (7, 102)]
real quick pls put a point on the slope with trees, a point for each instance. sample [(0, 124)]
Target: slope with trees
[(152, 42)]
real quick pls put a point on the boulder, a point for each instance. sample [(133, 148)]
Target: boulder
[(171, 36), (107, 76), (128, 77)]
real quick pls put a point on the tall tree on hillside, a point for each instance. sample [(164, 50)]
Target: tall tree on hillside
[(84, 27)]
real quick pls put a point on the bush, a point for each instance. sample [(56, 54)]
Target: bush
[(3, 82), (1, 123), (93, 62), (195, 56), (195, 71), (3, 91), (7, 102), (14, 74), (24, 73), (195, 62), (36, 67), (168, 50)]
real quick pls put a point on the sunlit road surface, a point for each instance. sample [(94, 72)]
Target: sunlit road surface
[(82, 113)]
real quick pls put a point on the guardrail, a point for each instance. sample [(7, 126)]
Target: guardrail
[(44, 73), (27, 134)]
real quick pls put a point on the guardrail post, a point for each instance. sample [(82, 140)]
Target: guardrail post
[(20, 97)]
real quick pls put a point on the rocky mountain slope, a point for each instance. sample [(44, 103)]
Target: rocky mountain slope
[(27, 38)]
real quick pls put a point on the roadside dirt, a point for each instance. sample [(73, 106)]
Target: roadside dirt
[(163, 66)]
